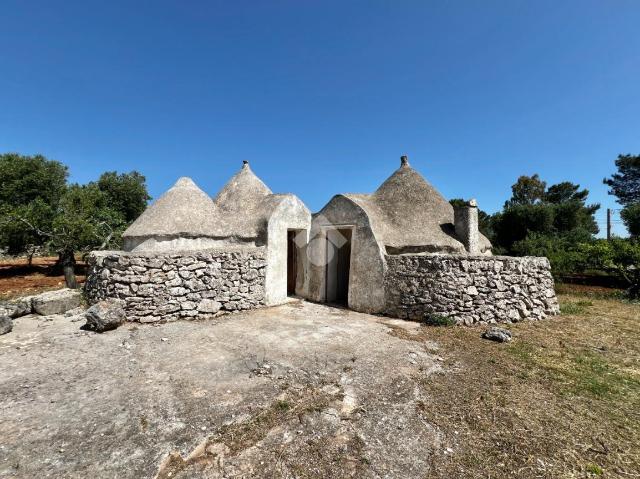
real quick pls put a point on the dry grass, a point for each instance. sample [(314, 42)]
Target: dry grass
[(561, 400)]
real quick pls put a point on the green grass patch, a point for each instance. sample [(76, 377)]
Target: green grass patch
[(523, 351), (575, 307), (594, 469), (583, 372), (438, 320), (283, 405)]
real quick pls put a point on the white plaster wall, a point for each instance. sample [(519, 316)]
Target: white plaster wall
[(366, 278), (291, 214), (178, 243)]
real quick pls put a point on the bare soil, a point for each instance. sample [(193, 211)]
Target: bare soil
[(17, 278)]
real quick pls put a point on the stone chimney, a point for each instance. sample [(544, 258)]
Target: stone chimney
[(466, 223)]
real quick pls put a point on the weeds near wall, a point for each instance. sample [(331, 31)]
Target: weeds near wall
[(438, 320)]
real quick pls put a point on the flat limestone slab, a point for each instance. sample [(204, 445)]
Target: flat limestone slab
[(56, 302), (342, 390)]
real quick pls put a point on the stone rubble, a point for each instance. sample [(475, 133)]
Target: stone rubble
[(469, 289), (46, 304), (169, 286)]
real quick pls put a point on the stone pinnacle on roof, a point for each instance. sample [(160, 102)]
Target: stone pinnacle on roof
[(185, 182), (242, 189), (404, 160)]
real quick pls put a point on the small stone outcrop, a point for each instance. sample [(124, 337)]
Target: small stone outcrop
[(469, 289), (22, 306), (56, 302), (158, 286), (499, 335), (6, 324), (105, 316), (18, 307)]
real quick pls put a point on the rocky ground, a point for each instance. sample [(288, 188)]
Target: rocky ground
[(300, 390), (309, 391)]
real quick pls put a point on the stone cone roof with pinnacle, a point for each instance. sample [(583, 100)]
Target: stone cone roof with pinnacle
[(242, 207), (406, 210)]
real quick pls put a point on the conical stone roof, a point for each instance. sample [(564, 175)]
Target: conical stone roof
[(184, 210), (406, 210), (242, 207), (243, 187)]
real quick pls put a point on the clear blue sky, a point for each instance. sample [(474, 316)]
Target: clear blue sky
[(324, 96)]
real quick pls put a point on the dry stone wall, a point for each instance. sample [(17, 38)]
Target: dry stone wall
[(469, 289), (166, 287)]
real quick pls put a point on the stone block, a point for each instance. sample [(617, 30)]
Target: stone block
[(56, 302)]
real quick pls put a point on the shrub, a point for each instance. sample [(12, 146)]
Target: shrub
[(438, 320), (562, 251), (619, 256)]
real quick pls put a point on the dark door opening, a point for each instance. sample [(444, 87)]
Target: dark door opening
[(338, 265), (292, 262)]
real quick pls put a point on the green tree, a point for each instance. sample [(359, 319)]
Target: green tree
[(625, 184), (27, 178), (127, 192), (37, 207), (528, 190), (561, 250), (514, 223), (631, 217), (619, 256), (85, 220), (30, 192), (564, 192), (560, 210)]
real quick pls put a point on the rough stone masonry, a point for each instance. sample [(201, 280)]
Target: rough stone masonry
[(168, 286), (469, 289)]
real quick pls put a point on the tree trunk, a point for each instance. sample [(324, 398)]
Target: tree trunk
[(68, 261)]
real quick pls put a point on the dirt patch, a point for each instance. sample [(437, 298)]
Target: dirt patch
[(18, 278)]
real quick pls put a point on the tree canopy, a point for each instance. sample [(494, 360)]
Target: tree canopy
[(528, 190), (126, 192), (559, 210), (631, 217), (625, 184), (39, 209), (29, 178)]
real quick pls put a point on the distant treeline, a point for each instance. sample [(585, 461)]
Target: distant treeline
[(556, 221)]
